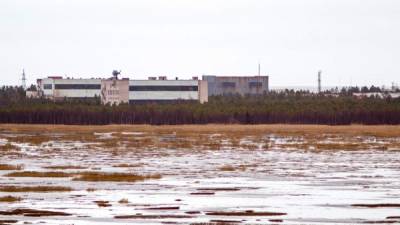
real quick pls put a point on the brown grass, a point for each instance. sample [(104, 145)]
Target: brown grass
[(393, 217), (34, 189), (66, 167), (101, 203), (114, 177), (122, 165), (7, 222), (33, 213), (123, 201), (227, 168), (11, 167), (37, 174), (244, 213), (211, 137), (162, 208), (216, 223), (36, 139), (6, 147), (378, 130), (10, 198), (218, 189), (152, 216), (379, 205)]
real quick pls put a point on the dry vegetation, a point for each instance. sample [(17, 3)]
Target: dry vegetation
[(216, 223), (65, 167), (123, 201), (33, 213), (138, 216), (378, 205), (207, 137), (245, 213), (354, 130), (36, 138), (114, 177), (6, 147), (10, 198), (37, 174), (126, 165), (7, 222), (34, 189), (101, 203), (227, 168), (11, 167)]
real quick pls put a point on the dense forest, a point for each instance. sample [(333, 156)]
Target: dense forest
[(296, 107)]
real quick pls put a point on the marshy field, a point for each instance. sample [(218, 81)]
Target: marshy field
[(199, 174)]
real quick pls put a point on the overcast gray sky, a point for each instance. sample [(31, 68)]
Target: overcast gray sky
[(351, 41)]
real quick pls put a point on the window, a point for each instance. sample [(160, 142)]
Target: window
[(113, 92), (228, 84), (163, 88), (47, 86), (255, 84), (77, 86)]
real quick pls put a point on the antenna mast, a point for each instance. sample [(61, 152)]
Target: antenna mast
[(319, 81), (23, 79), (258, 80)]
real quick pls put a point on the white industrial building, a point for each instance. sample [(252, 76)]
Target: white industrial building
[(116, 91), (166, 90), (59, 88)]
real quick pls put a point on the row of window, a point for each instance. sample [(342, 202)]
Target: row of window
[(72, 86), (253, 84), (163, 88), (131, 88), (77, 86), (113, 92), (169, 101)]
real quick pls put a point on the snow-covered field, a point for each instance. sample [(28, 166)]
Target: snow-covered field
[(261, 178)]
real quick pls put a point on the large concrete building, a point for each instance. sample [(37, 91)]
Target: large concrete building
[(167, 90), (243, 85), (58, 88), (116, 91)]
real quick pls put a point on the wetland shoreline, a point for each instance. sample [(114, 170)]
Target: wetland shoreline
[(199, 174), (373, 130)]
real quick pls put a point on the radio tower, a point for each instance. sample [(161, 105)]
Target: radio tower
[(23, 79), (319, 81), (258, 80)]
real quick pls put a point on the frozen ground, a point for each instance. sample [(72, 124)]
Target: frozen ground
[(328, 179)]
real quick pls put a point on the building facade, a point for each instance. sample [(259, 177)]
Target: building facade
[(58, 88), (243, 85), (116, 91), (166, 90)]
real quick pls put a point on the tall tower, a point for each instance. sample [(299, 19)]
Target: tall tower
[(23, 79), (258, 80), (319, 81)]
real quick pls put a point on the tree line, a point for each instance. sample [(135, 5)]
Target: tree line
[(295, 107)]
